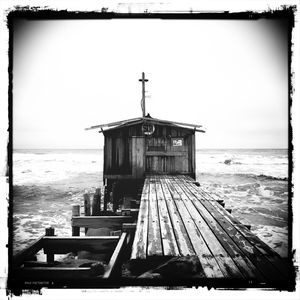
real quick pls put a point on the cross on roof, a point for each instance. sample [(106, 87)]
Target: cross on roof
[(143, 80)]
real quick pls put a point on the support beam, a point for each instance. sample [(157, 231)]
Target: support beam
[(99, 244), (28, 252), (114, 266), (110, 222)]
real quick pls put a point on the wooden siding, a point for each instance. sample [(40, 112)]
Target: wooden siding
[(138, 156), (168, 159), (123, 152), (117, 155)]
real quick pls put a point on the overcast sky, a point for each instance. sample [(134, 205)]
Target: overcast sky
[(229, 76)]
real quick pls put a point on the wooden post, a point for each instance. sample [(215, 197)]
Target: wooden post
[(114, 197), (75, 213), (96, 203), (50, 232), (106, 198), (87, 204), (87, 207)]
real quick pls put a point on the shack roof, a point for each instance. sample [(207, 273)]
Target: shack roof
[(148, 119)]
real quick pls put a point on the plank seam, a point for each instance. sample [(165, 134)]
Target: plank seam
[(220, 211), (184, 188)]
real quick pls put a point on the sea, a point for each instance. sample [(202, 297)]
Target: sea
[(47, 182)]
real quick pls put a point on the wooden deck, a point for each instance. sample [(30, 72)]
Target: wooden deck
[(178, 218)]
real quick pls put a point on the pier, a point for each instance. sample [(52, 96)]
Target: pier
[(179, 219), (176, 225)]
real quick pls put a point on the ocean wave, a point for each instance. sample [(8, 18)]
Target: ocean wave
[(31, 192), (233, 162), (245, 175), (267, 177), (262, 177)]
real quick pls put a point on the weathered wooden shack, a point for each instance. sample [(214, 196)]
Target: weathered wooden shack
[(137, 147), (141, 146)]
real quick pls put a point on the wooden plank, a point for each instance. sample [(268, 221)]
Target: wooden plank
[(107, 155), (33, 264), (129, 144), (133, 212), (184, 244), (138, 158), (49, 232), (154, 234), (75, 212), (140, 162), (62, 245), (208, 262), (117, 176), (96, 203), (279, 263), (193, 154), (129, 226), (225, 262), (134, 158), (162, 153), (55, 273), (259, 243), (172, 123), (154, 164), (114, 265), (139, 246), (110, 222), (271, 255), (258, 258), (214, 197), (28, 252), (226, 215), (131, 124), (120, 152), (185, 164), (87, 204), (113, 123), (243, 263), (169, 244)]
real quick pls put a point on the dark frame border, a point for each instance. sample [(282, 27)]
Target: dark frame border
[(14, 286)]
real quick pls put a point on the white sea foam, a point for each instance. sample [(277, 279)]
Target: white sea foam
[(256, 162), (33, 168)]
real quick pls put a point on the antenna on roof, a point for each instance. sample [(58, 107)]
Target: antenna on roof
[(143, 104)]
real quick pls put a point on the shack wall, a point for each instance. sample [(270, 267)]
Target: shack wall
[(128, 153)]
